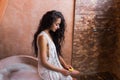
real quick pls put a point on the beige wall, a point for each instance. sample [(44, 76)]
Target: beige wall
[(21, 20)]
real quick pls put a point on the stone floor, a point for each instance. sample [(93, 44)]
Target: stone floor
[(99, 76)]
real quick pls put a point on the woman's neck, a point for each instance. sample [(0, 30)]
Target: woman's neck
[(47, 31)]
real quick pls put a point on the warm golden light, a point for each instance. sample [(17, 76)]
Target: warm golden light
[(3, 5)]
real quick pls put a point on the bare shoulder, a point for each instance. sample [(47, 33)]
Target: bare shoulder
[(42, 39)]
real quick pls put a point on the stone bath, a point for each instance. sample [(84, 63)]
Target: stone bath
[(19, 68)]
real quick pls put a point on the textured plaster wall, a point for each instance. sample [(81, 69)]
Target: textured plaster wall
[(116, 58), (21, 20), (96, 36)]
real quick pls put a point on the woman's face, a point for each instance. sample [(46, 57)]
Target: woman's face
[(56, 25)]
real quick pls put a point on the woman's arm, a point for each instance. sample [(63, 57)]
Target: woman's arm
[(43, 56), (74, 73), (64, 64), (62, 61)]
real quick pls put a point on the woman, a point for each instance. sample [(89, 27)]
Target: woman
[(47, 43)]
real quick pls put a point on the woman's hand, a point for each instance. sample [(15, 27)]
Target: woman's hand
[(74, 73), (65, 72), (68, 67)]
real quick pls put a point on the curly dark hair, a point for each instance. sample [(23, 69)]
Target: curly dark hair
[(45, 23)]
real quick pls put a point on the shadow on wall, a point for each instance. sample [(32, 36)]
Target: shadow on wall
[(107, 37)]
